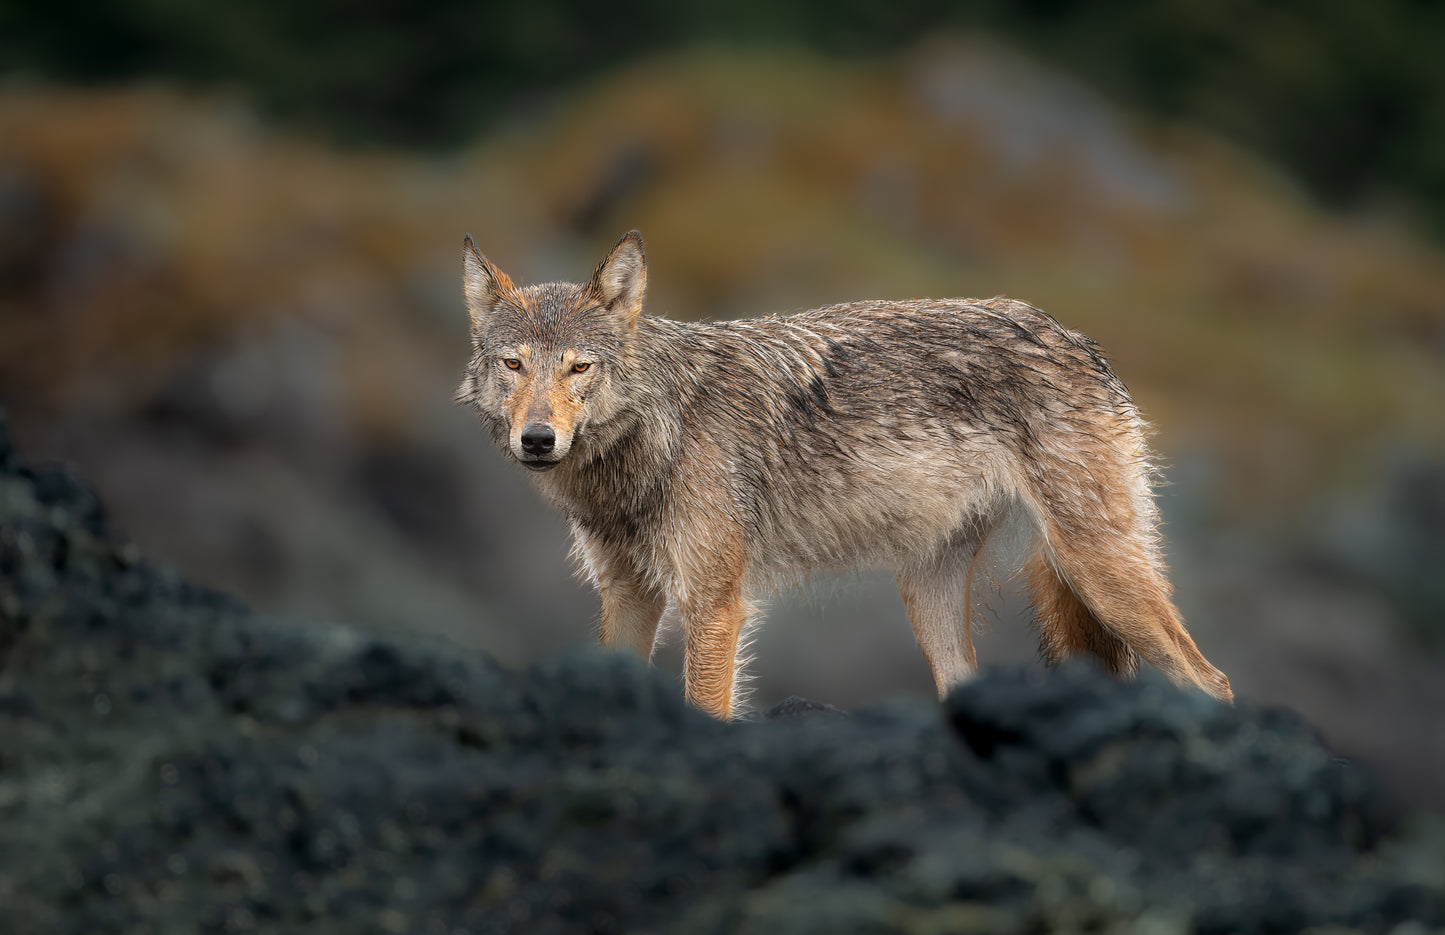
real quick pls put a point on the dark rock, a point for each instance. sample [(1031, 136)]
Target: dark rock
[(172, 762), (792, 708)]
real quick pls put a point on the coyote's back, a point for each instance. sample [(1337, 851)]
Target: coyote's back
[(706, 464)]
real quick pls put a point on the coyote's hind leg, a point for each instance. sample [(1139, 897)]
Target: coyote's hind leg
[(1066, 625), (936, 594)]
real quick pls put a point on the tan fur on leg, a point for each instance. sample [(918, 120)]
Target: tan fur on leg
[(936, 596), (631, 607), (630, 614), (710, 652)]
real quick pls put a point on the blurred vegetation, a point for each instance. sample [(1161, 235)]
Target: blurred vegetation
[(1296, 348), (1350, 96)]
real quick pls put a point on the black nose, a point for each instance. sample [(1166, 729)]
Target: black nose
[(538, 438)]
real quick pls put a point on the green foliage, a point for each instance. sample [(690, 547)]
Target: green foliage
[(1349, 95)]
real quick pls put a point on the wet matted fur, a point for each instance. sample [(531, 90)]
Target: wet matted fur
[(708, 464)]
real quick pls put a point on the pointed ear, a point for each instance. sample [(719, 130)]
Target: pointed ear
[(620, 280), (482, 283)]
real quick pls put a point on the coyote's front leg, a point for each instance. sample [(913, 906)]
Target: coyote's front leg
[(710, 559), (712, 622), (631, 608), (631, 611)]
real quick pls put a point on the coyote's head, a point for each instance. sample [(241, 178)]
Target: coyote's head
[(544, 356)]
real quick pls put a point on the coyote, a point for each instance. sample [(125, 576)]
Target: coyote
[(710, 463)]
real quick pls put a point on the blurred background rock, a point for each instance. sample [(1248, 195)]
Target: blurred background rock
[(229, 238)]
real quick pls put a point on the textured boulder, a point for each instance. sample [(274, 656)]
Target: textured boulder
[(172, 762)]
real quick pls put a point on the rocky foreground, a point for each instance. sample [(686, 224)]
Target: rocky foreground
[(173, 762)]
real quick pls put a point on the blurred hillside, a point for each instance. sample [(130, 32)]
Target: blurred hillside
[(250, 338), (1349, 96)]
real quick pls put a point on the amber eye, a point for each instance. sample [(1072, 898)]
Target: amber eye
[(512, 363), (580, 368)]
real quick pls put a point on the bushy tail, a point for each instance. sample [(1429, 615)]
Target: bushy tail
[(1095, 575), (1137, 618)]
